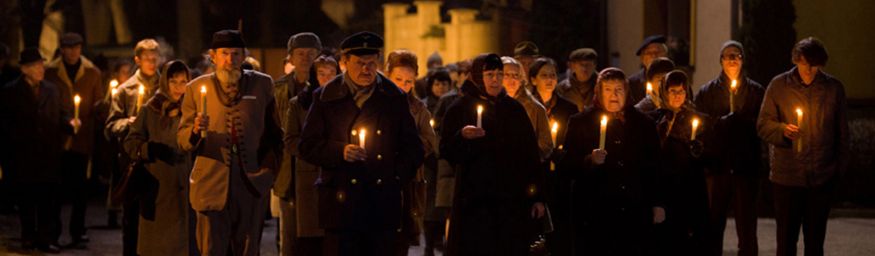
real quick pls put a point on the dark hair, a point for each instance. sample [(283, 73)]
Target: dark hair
[(660, 65), (438, 74), (812, 50), (536, 66), (402, 58), (676, 78)]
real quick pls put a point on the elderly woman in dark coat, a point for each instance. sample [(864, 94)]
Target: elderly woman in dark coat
[(498, 188), (682, 177), (166, 228), (616, 200)]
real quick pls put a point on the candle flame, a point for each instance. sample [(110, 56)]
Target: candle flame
[(479, 109), (734, 84), (695, 122), (203, 89), (77, 99), (431, 122), (799, 111), (604, 120), (555, 128), (114, 91), (649, 88), (113, 84), (141, 90)]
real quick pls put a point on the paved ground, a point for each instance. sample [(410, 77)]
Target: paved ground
[(846, 236)]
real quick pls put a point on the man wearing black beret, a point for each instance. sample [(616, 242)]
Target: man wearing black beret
[(229, 121), (360, 131)]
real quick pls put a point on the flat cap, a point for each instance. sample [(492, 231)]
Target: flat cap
[(649, 40), (71, 39), (583, 54), (304, 40)]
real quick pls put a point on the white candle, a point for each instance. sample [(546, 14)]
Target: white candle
[(141, 92), (603, 131), (695, 127), (799, 125), (76, 101), (732, 95), (362, 137), (479, 116), (554, 130), (203, 105)]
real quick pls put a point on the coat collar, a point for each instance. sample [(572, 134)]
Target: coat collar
[(337, 89), (58, 64)]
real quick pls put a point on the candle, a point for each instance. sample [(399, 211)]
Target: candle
[(799, 125), (362, 138), (113, 83), (732, 95), (695, 127), (649, 89), (603, 131), (553, 131), (479, 116), (76, 101), (431, 123), (140, 93), (203, 105)]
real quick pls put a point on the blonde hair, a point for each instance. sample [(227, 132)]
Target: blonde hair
[(147, 44)]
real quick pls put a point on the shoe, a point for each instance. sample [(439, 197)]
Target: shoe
[(51, 248), (81, 239)]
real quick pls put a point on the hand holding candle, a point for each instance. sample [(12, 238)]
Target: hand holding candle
[(113, 85), (799, 125), (603, 131), (695, 127), (479, 116)]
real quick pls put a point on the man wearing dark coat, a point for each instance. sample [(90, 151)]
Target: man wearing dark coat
[(499, 185), (733, 174), (653, 47), (361, 180), (33, 126)]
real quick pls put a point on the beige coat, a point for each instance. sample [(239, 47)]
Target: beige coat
[(260, 145), (88, 86)]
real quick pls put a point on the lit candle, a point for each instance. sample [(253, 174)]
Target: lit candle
[(431, 123), (203, 105), (650, 89), (603, 131), (113, 87), (76, 101), (554, 130), (479, 116), (362, 138), (799, 125), (732, 95), (695, 127), (141, 92)]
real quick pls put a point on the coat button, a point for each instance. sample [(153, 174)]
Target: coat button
[(620, 163), (379, 181), (379, 132), (379, 157), (622, 187), (354, 181), (618, 142)]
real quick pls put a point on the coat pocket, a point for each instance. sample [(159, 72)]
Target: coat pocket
[(209, 184)]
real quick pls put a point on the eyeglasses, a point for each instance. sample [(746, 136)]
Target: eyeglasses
[(732, 57)]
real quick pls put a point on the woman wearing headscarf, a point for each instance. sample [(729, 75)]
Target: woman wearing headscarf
[(616, 200), (499, 184), (166, 224), (682, 177)]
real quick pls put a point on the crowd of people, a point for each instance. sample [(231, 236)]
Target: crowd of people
[(496, 155)]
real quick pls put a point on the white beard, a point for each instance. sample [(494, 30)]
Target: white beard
[(228, 76)]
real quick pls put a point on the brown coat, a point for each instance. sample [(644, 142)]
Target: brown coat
[(299, 182), (260, 147), (88, 86), (123, 104)]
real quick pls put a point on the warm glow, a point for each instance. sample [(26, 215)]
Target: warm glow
[(555, 128), (695, 122), (734, 84), (479, 109), (649, 88), (604, 120), (77, 99), (113, 84), (114, 91), (431, 122), (362, 135), (141, 90), (203, 89), (799, 112)]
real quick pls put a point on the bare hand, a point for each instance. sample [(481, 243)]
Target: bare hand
[(598, 156), (658, 215), (352, 153), (76, 124), (132, 119), (791, 131), (472, 132), (200, 123), (538, 210)]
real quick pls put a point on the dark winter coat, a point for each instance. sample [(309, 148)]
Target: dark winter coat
[(612, 207), (33, 128), (734, 143), (499, 177), (361, 195), (578, 92), (824, 129), (88, 85)]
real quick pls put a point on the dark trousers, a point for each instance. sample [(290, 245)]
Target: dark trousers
[(805, 207), (739, 193), (360, 243), (130, 224), (75, 174), (40, 213)]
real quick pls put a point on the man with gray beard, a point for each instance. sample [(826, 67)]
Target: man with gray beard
[(230, 123)]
